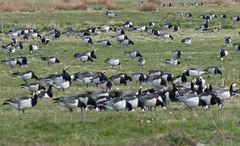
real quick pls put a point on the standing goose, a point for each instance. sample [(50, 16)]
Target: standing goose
[(70, 102), (85, 77), (151, 100), (113, 62), (62, 83), (192, 101), (223, 54), (141, 62), (25, 75), (180, 79), (105, 85), (45, 40), (33, 48), (187, 41), (23, 61), (223, 93), (22, 103), (120, 104), (227, 40), (51, 60), (156, 81)]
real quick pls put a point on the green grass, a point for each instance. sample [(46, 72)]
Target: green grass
[(50, 124)]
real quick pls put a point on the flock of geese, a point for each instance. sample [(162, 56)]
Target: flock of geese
[(165, 87)]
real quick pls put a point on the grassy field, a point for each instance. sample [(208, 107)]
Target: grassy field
[(50, 124)]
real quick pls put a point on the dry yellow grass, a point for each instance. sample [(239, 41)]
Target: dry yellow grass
[(150, 5), (16, 5)]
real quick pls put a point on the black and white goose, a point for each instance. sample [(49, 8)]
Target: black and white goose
[(132, 54), (46, 93), (173, 61), (25, 75), (12, 62), (155, 72), (51, 60), (83, 77), (23, 61), (128, 24), (62, 83), (177, 54), (227, 40), (167, 76), (235, 18), (35, 35), (211, 99), (166, 26), (22, 103), (187, 41), (120, 104), (152, 100), (127, 42), (237, 46), (120, 37), (105, 85), (88, 40), (33, 48), (105, 43), (151, 24), (166, 36), (70, 102), (45, 40), (192, 101), (224, 93), (33, 87), (111, 14), (214, 70), (113, 62), (141, 62), (223, 16), (194, 72), (223, 54), (156, 81), (83, 57), (120, 79), (139, 77), (176, 28), (180, 79)]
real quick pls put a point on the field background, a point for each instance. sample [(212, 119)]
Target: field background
[(49, 124)]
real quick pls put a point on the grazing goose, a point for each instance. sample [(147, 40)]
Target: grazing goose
[(46, 93), (120, 79), (172, 62), (45, 40), (88, 40), (223, 93), (83, 57), (33, 48), (235, 18), (141, 62), (166, 36), (223, 54), (156, 81), (35, 35), (214, 70), (22, 103), (85, 77), (111, 14), (12, 62), (151, 100), (151, 24), (98, 77), (23, 61), (113, 62), (128, 24), (25, 75), (177, 54), (105, 85), (54, 77), (192, 100), (237, 46), (62, 84), (176, 28), (166, 26), (70, 102), (223, 16), (154, 72), (127, 42), (167, 76), (120, 37), (227, 40), (33, 87), (194, 72), (140, 77), (51, 60), (180, 79), (211, 99), (120, 104), (132, 54), (134, 102), (187, 41), (105, 43)]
